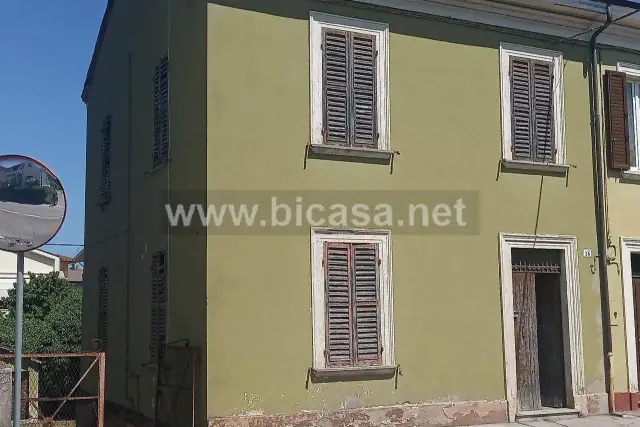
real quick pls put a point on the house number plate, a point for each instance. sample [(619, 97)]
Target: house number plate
[(586, 253)]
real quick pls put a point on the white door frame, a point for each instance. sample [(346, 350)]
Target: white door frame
[(571, 315), (629, 245)]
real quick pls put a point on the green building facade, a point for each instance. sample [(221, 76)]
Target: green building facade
[(480, 112)]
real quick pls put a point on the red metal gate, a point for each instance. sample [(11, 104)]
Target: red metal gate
[(62, 390)]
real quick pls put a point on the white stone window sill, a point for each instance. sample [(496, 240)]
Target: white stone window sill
[(335, 150), (349, 371), (633, 175), (535, 166)]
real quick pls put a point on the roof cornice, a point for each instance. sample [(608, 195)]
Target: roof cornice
[(533, 16), (528, 16)]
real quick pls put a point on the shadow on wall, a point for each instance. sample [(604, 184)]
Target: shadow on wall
[(412, 24)]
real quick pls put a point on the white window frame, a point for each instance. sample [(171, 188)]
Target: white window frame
[(633, 75), (507, 51), (380, 31), (571, 315), (320, 236)]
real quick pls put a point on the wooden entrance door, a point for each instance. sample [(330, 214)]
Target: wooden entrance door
[(636, 303), (526, 333), (553, 391), (539, 330)]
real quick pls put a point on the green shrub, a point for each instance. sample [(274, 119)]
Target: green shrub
[(29, 195)]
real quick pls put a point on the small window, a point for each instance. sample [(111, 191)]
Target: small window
[(349, 73), (161, 112), (532, 105), (352, 301), (105, 170), (158, 306), (103, 300)]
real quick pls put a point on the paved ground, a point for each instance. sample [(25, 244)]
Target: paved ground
[(36, 223), (628, 420)]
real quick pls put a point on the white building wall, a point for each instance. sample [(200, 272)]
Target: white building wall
[(36, 262)]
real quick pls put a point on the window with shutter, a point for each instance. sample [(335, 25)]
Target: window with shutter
[(620, 127), (158, 306), (349, 84), (161, 112), (352, 300), (532, 106), (103, 294), (349, 89), (353, 305), (532, 119), (105, 169)]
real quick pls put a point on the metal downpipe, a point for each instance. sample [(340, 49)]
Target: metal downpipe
[(600, 199)]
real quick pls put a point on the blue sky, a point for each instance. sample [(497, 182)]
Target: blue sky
[(46, 48)]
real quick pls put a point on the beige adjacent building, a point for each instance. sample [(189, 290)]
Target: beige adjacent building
[(36, 262)]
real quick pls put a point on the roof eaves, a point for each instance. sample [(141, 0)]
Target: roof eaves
[(45, 253), (79, 257), (96, 49)]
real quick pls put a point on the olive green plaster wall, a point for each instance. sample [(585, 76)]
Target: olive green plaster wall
[(445, 121)]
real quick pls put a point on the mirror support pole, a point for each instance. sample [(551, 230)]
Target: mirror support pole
[(17, 366)]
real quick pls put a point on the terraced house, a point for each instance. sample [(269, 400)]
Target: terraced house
[(517, 120)]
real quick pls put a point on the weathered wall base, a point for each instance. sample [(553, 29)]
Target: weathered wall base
[(597, 404), (422, 415), (627, 401), (119, 416)]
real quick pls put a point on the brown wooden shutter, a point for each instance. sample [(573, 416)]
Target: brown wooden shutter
[(617, 120), (103, 302), (352, 304), (543, 123), (335, 87), (364, 119), (366, 304), (349, 89), (521, 114), (339, 347), (161, 112), (105, 163), (158, 306)]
